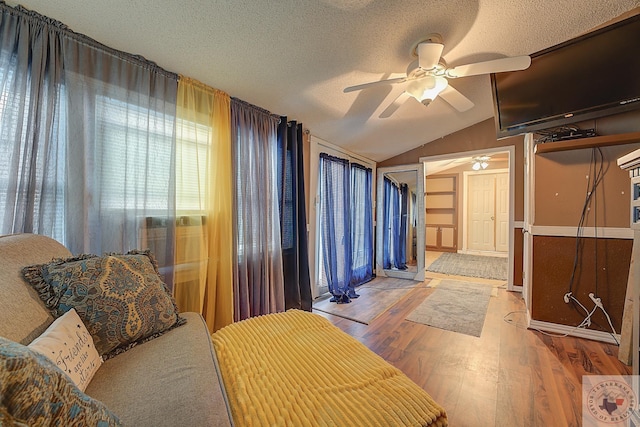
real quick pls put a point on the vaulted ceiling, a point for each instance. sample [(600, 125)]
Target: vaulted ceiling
[(295, 57)]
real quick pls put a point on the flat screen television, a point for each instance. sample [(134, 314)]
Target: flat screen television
[(591, 76)]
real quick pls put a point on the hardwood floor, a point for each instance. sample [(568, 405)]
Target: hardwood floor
[(509, 376)]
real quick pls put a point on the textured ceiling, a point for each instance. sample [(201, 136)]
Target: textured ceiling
[(294, 57)]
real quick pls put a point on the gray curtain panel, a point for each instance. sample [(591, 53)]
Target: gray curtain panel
[(87, 140), (258, 279), (32, 134)]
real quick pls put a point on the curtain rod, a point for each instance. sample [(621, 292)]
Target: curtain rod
[(64, 30), (356, 156), (255, 107)]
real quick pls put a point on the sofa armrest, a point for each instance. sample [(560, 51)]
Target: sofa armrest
[(171, 380)]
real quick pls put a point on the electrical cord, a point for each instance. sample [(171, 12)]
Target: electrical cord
[(519, 325), (582, 324), (593, 181), (588, 316), (599, 176), (596, 175)]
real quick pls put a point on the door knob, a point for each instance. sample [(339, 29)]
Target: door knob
[(492, 218)]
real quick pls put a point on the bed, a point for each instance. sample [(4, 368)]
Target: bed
[(296, 368)]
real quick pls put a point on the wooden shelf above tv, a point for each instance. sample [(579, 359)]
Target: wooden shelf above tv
[(596, 141)]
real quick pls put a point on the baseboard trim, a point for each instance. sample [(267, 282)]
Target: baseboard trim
[(516, 288), (573, 331), (484, 253)]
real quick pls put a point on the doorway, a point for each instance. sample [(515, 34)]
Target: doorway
[(486, 212), (318, 273), (494, 197)]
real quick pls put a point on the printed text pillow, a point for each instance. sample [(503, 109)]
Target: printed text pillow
[(68, 344)]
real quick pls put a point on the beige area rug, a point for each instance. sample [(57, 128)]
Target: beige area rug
[(487, 267), (455, 306), (433, 283), (376, 297)]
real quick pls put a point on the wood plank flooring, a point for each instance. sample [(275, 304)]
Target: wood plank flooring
[(510, 376)]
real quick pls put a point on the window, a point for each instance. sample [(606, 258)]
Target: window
[(32, 177), (135, 149), (192, 159)]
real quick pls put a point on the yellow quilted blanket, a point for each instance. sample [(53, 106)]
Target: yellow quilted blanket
[(297, 369)]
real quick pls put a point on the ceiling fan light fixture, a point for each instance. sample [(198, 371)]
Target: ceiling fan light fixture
[(427, 88), (480, 162)]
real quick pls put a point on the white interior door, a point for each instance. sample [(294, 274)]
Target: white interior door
[(482, 212), (502, 212)]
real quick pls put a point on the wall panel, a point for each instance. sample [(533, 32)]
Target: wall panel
[(552, 266)]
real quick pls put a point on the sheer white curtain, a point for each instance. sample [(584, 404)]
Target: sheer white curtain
[(87, 141), (121, 155), (32, 129), (258, 278)]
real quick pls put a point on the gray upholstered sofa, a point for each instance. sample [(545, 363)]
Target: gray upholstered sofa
[(168, 381)]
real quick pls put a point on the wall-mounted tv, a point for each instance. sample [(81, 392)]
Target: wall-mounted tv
[(591, 76)]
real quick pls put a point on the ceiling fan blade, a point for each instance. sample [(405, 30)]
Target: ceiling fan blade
[(456, 99), (429, 54), (513, 63), (373, 84), (394, 105)]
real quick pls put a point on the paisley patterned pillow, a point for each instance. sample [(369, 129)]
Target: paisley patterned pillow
[(34, 391), (120, 298)]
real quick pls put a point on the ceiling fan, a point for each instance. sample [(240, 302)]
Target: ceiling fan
[(427, 76)]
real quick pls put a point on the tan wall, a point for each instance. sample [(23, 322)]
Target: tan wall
[(561, 185), (477, 137)]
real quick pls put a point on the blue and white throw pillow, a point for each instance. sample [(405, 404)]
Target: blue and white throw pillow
[(35, 392)]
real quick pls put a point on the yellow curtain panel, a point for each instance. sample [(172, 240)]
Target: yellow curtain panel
[(203, 280)]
